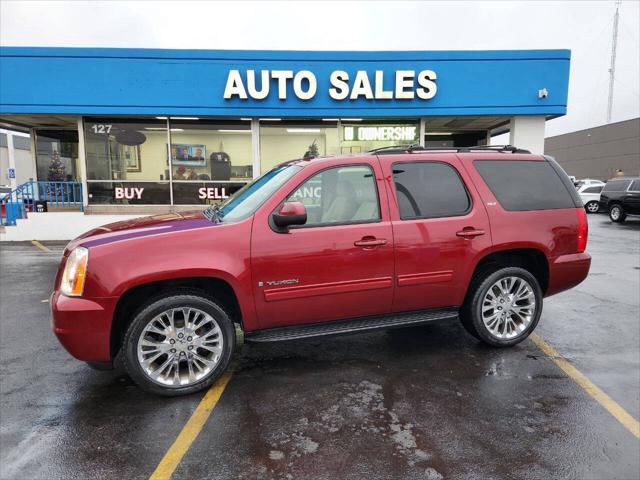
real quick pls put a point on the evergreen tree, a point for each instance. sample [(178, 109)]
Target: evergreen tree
[(313, 151), (56, 168)]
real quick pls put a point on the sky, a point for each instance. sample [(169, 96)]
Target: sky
[(583, 27)]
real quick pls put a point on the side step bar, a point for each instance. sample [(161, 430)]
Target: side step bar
[(345, 327)]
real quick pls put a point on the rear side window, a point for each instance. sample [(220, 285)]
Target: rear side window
[(592, 190), (616, 186), (429, 190), (525, 185), (635, 186)]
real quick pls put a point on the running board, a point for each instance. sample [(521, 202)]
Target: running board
[(345, 327)]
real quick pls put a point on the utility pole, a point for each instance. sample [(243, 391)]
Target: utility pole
[(612, 67)]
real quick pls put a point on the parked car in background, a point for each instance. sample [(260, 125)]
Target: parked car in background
[(590, 196), (326, 246), (588, 182), (621, 197)]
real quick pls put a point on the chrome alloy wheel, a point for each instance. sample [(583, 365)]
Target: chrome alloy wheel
[(508, 307), (180, 347), (615, 213), (592, 207)]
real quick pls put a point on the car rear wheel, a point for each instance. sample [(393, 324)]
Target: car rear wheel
[(616, 214), (179, 344), (592, 207), (503, 306)]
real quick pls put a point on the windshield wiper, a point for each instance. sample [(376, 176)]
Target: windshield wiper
[(213, 213)]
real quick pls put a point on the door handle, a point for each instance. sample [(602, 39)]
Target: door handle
[(470, 232), (370, 242)]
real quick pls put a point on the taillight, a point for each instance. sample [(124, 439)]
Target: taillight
[(583, 230)]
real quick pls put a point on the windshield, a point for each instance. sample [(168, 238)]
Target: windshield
[(247, 200)]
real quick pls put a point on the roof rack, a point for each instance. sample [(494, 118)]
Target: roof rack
[(417, 148), (496, 148), (397, 149)]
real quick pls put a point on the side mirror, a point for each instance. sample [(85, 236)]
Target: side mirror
[(290, 213)]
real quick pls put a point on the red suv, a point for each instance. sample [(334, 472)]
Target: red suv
[(393, 238)]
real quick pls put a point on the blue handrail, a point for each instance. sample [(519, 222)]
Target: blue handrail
[(15, 204)]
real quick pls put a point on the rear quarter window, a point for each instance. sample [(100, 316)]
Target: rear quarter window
[(616, 186), (521, 185)]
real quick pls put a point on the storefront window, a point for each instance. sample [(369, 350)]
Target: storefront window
[(130, 161), (126, 150), (197, 161), (359, 137), (57, 155), (129, 193), (455, 139), (209, 160), (127, 161), (293, 140), (203, 193)]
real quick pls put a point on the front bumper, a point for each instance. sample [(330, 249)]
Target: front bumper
[(567, 271), (83, 325)]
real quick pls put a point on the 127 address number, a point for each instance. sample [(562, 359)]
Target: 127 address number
[(101, 128)]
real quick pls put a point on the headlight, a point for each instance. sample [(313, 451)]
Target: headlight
[(75, 272)]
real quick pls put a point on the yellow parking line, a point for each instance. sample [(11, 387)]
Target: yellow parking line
[(588, 386), (190, 431), (40, 246)]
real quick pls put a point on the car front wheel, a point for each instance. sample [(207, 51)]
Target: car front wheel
[(592, 207), (179, 344), (502, 307)]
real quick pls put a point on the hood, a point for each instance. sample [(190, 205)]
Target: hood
[(139, 227)]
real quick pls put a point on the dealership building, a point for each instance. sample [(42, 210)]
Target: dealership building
[(144, 130)]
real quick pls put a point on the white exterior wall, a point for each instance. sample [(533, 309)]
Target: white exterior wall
[(25, 166), (57, 226), (528, 132)]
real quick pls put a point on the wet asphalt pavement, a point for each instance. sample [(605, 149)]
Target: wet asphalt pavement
[(423, 403)]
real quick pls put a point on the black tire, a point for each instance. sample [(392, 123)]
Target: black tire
[(471, 311), (617, 213), (592, 206), (184, 298)]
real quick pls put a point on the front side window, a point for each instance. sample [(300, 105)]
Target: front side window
[(429, 190), (339, 195)]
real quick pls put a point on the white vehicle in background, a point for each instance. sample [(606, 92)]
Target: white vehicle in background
[(590, 195), (588, 181)]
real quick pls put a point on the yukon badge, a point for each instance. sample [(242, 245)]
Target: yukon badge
[(278, 283)]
